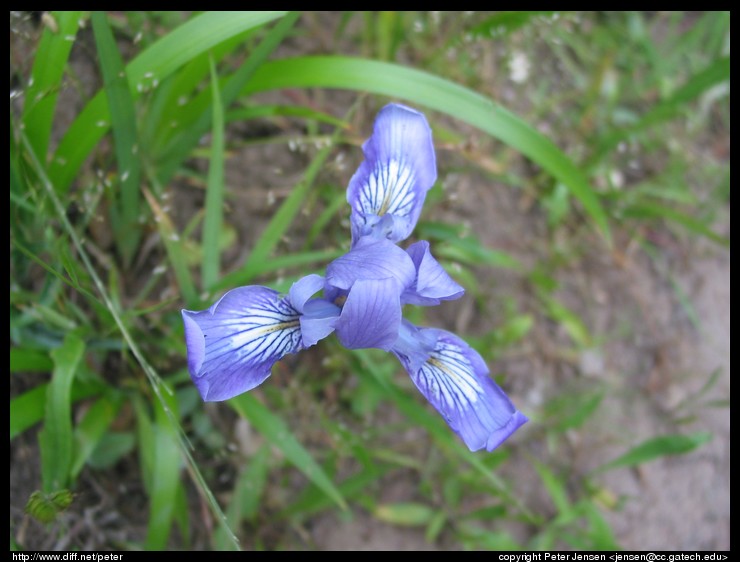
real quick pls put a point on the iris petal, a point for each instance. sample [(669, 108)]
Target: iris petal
[(318, 320), (455, 380), (371, 315), (304, 289), (398, 170), (233, 345), (371, 259), (432, 284)]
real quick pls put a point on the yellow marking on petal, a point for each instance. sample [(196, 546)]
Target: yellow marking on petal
[(277, 327)]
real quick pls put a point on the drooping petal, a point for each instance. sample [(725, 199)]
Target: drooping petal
[(398, 170), (371, 315), (233, 345), (372, 259), (432, 284), (455, 380)]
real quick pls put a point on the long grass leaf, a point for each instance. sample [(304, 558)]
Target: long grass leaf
[(55, 440), (178, 150), (91, 429), (436, 93), (46, 78), (658, 447), (152, 376), (123, 122), (29, 408), (158, 62), (648, 209), (214, 217), (175, 250), (717, 72), (277, 432), (434, 425), (165, 474)]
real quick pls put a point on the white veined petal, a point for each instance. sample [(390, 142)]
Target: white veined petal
[(388, 189), (454, 378), (233, 345)]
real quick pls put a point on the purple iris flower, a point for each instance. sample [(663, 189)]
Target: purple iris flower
[(233, 345)]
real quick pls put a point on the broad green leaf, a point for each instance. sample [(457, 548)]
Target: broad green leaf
[(278, 434), (659, 447), (436, 93), (55, 440)]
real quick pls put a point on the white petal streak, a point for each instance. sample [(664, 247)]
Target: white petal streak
[(449, 378), (389, 189), (267, 330)]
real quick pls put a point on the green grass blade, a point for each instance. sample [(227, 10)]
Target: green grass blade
[(279, 223), (165, 475), (29, 360), (214, 218), (645, 210), (276, 431), (125, 213), (91, 429), (555, 488), (158, 62), (658, 447), (152, 376), (29, 408), (55, 440), (175, 250), (436, 93), (248, 490), (181, 147), (505, 22), (439, 431), (716, 73), (46, 78)]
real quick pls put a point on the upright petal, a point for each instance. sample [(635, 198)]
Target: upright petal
[(432, 284), (233, 345), (372, 259), (455, 380), (398, 170), (371, 315), (318, 320), (318, 316), (304, 289)]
